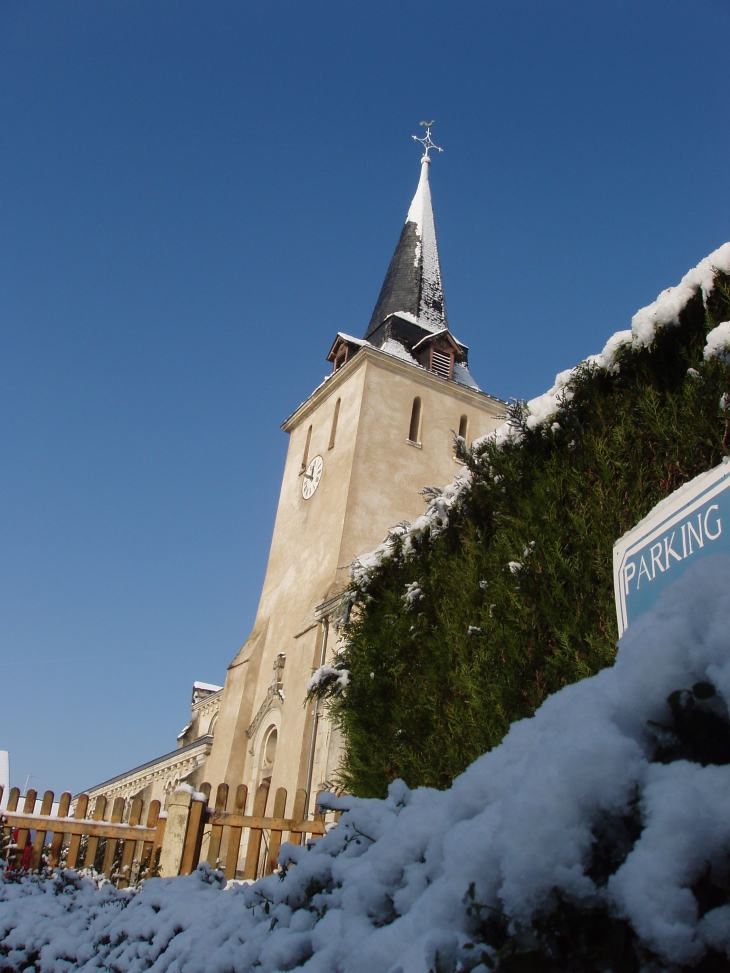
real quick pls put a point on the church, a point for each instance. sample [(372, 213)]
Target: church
[(361, 448)]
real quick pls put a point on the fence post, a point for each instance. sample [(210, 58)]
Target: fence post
[(176, 828), (299, 814), (194, 836), (275, 837), (216, 832), (234, 834), (72, 856), (23, 834), (255, 834), (40, 836), (129, 847), (92, 844), (12, 805), (13, 798), (154, 820), (110, 849), (57, 840)]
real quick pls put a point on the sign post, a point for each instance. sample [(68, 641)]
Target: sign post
[(692, 522)]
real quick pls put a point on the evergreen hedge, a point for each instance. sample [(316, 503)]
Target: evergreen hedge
[(513, 599)]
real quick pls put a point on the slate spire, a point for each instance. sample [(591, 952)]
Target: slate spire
[(413, 281)]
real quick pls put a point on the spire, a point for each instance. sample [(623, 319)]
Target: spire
[(413, 281)]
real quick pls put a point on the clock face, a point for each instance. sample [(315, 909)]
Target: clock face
[(311, 477)]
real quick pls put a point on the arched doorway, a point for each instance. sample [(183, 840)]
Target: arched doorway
[(268, 754)]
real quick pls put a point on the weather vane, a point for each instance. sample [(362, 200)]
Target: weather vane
[(427, 142)]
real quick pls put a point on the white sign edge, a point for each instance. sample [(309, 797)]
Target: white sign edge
[(674, 507)]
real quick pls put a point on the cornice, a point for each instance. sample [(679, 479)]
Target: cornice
[(166, 761), (390, 363), (213, 699)]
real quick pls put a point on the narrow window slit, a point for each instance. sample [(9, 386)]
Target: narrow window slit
[(414, 432), (335, 418)]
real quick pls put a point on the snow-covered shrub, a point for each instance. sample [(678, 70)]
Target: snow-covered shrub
[(596, 837), (520, 546), (718, 343)]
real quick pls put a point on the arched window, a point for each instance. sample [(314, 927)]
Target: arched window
[(463, 427), (414, 431), (270, 748), (335, 417), (305, 457)]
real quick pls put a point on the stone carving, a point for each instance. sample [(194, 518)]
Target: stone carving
[(275, 691)]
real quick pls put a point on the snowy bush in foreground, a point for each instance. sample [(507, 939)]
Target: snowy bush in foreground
[(595, 837)]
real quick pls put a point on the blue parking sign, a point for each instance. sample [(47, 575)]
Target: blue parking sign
[(692, 522)]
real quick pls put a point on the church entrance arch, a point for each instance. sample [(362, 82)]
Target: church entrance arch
[(265, 748)]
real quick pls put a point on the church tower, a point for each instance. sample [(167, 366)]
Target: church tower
[(361, 448)]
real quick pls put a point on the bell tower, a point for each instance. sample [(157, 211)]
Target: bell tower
[(361, 448)]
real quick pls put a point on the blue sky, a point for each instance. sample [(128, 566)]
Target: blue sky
[(195, 197)]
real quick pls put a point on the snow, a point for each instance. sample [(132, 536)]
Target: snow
[(184, 730), (663, 313), (194, 795), (413, 593), (395, 348), (355, 341), (421, 322), (328, 674), (421, 213), (404, 536), (407, 316), (463, 376), (392, 347), (393, 875), (718, 343)]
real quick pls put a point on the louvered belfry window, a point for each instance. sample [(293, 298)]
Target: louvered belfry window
[(441, 363)]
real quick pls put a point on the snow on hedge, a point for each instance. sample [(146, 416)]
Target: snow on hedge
[(328, 674), (405, 535), (387, 889), (718, 343), (665, 312)]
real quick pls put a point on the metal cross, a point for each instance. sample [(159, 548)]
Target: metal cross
[(427, 142)]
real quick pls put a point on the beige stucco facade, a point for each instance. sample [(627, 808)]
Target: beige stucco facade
[(371, 480)]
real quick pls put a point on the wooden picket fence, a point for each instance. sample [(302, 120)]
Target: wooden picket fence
[(170, 843), (69, 834)]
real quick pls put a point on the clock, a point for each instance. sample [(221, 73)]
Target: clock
[(311, 477)]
